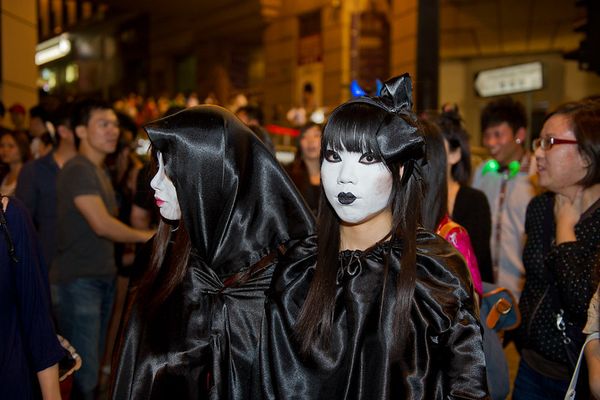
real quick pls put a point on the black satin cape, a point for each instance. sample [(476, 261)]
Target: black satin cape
[(443, 358), (239, 207)]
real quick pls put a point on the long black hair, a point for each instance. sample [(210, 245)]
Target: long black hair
[(435, 202), (457, 137), (171, 248), (354, 126)]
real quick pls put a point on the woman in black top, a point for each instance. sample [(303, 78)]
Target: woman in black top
[(305, 169), (562, 252), (467, 206)]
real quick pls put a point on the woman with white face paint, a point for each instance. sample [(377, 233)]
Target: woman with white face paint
[(386, 310), (165, 193), (229, 212)]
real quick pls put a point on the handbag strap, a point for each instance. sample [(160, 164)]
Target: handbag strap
[(570, 395), (549, 231)]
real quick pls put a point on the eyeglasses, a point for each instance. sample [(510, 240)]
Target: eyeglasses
[(546, 143)]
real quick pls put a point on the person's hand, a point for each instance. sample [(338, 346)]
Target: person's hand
[(567, 213), (67, 346)]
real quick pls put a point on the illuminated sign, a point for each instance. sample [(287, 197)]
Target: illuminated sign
[(52, 49), (507, 80)]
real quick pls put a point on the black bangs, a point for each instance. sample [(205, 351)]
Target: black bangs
[(353, 127)]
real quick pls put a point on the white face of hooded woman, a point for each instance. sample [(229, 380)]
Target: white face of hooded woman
[(165, 193), (357, 185)]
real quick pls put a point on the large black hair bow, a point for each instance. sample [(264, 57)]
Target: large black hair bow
[(398, 139)]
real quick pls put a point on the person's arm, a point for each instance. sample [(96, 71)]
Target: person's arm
[(140, 217), (592, 356), (567, 213), (572, 261), (103, 224), (480, 238), (48, 379), (465, 368), (461, 341)]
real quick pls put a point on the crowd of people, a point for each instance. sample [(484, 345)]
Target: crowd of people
[(358, 271)]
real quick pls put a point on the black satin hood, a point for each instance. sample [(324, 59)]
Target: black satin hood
[(237, 203), (242, 212)]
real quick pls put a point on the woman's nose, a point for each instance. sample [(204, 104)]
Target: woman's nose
[(347, 174), (154, 182)]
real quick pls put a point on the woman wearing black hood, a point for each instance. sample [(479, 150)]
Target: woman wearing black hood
[(386, 309), (229, 213)]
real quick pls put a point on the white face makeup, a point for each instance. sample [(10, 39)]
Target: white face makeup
[(165, 193), (357, 185)]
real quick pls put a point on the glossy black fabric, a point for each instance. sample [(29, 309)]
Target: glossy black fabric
[(443, 358), (238, 206)]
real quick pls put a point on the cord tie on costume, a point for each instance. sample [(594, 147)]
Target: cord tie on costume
[(349, 268)]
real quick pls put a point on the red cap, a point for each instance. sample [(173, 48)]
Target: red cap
[(17, 108)]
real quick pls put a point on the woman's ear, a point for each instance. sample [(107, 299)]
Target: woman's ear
[(401, 171), (585, 160), (454, 156), (81, 131)]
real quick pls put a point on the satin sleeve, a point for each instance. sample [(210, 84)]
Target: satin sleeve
[(445, 278), (466, 374)]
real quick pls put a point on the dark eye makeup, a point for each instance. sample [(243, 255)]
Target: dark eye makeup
[(369, 158), (332, 156), (366, 158)]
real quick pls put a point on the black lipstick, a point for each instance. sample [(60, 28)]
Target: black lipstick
[(346, 198)]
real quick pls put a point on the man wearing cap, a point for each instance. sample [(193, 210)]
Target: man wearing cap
[(17, 116)]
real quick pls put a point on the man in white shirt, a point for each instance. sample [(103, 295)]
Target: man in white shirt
[(507, 182)]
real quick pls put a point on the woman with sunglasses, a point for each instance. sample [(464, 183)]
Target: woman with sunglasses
[(562, 252)]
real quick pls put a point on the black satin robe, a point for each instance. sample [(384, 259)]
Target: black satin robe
[(443, 357), (202, 344), (241, 211)]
